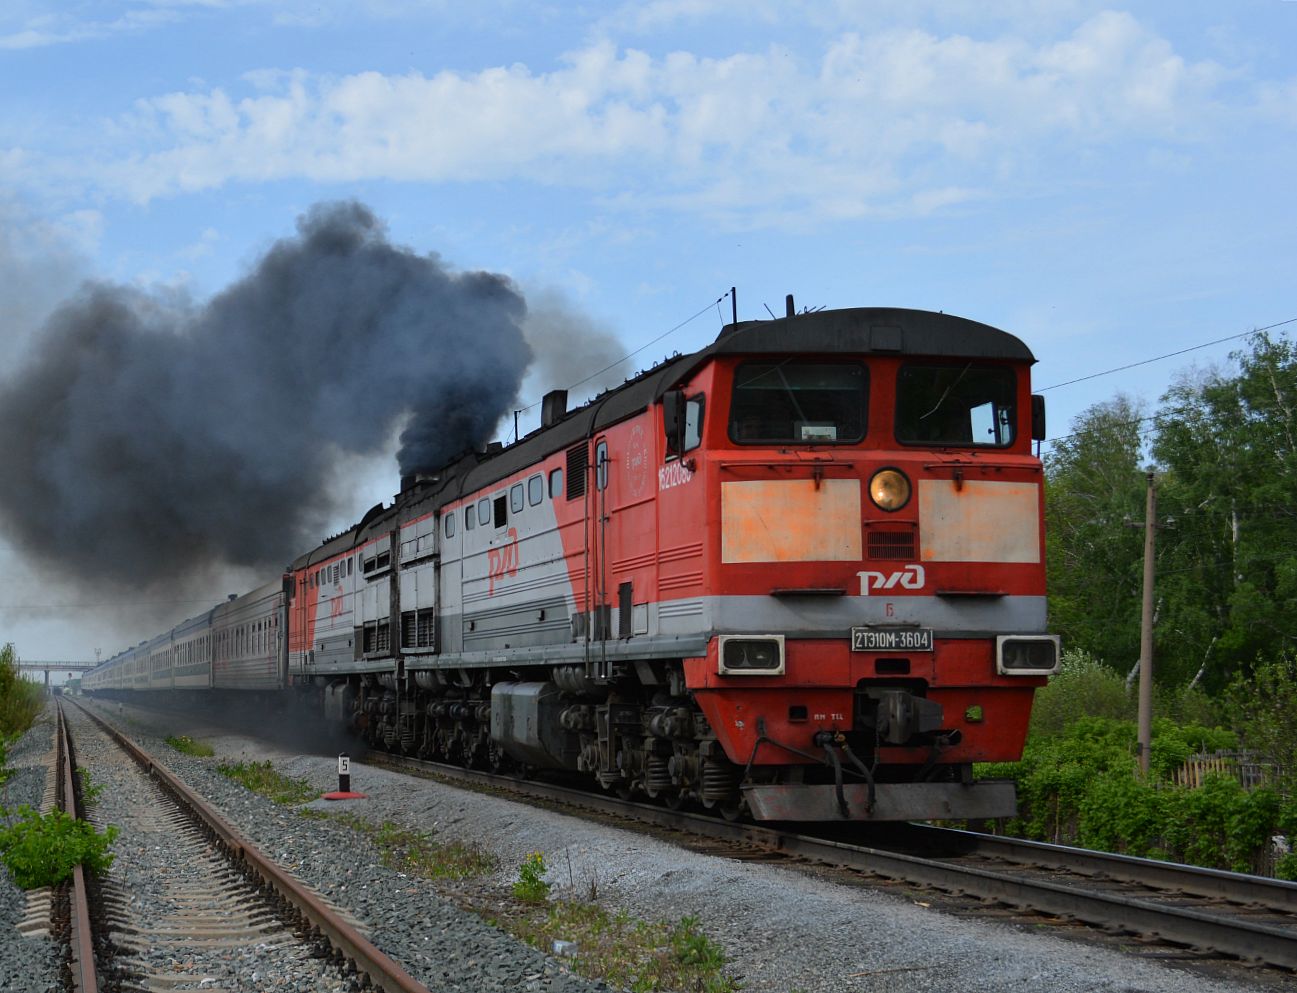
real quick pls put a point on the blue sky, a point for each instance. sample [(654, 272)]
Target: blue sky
[(1109, 182)]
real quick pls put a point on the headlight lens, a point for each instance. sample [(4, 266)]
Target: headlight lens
[(1027, 655), (889, 489), (761, 655)]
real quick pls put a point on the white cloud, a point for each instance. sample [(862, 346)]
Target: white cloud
[(36, 26), (884, 123)]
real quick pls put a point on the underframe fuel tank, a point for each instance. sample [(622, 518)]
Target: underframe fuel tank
[(525, 723)]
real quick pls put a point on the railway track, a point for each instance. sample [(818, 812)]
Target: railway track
[(189, 902), (1211, 913)]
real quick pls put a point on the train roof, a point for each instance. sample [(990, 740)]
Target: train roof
[(853, 331), (882, 330)]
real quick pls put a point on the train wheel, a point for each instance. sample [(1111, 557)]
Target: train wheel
[(731, 810)]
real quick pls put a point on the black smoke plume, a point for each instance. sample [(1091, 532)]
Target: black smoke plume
[(149, 438)]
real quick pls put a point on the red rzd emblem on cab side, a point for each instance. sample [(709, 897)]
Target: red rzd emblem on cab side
[(501, 562)]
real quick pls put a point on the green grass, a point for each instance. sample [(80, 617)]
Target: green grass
[(641, 956), (185, 744), (21, 700), (261, 777), (416, 853), (627, 953), (43, 849)]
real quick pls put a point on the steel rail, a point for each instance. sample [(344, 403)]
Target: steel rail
[(382, 971), (1213, 884), (85, 978), (1248, 940)]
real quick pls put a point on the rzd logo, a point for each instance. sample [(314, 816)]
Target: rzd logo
[(501, 562), (909, 578)]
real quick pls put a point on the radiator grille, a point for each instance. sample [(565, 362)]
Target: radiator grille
[(892, 545), (577, 460)]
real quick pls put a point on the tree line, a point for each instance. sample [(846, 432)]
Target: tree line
[(1223, 445)]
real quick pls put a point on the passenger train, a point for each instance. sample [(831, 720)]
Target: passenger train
[(796, 575)]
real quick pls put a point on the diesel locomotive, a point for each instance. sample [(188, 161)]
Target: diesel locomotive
[(796, 575)]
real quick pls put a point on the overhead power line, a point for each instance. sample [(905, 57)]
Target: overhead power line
[(631, 355), (1169, 355)]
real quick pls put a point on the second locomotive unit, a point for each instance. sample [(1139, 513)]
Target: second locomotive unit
[(796, 575)]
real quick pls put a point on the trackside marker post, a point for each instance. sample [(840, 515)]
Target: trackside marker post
[(344, 782)]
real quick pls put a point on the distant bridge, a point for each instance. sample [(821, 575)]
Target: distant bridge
[(48, 667)]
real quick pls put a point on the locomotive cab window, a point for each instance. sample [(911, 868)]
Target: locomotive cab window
[(963, 404), (807, 403), (693, 422)]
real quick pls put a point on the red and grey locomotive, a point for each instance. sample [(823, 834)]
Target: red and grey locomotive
[(797, 575)]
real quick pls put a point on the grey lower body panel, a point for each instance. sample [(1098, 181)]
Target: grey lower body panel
[(892, 802)]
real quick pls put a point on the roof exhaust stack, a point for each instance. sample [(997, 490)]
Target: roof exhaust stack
[(553, 406), (788, 302)]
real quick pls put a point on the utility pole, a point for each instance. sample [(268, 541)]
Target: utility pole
[(1146, 632)]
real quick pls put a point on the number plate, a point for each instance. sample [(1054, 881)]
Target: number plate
[(891, 639)]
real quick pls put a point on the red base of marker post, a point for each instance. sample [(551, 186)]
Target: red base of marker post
[(343, 792)]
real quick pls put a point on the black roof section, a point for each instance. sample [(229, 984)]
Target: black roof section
[(879, 330), (854, 331)]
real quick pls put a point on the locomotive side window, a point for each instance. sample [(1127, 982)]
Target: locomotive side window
[(516, 499), (450, 525), (693, 422), (812, 403), (535, 490), (484, 511), (555, 484), (470, 517), (963, 404), (601, 465)]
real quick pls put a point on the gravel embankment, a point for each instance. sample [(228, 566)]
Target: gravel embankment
[(438, 944), (27, 963), (782, 930)]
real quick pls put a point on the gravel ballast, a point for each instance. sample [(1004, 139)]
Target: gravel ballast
[(27, 962), (781, 929)]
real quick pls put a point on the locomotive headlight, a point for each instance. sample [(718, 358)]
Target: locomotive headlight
[(1026, 654), (889, 489), (752, 655)]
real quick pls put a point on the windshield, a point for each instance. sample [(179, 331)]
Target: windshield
[(962, 404), (799, 402)]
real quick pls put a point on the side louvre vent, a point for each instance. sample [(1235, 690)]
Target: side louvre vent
[(892, 545), (578, 457)]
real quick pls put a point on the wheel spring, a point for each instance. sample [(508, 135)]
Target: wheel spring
[(407, 732), (657, 774), (720, 780)]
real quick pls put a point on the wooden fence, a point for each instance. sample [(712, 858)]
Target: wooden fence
[(1247, 767)]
